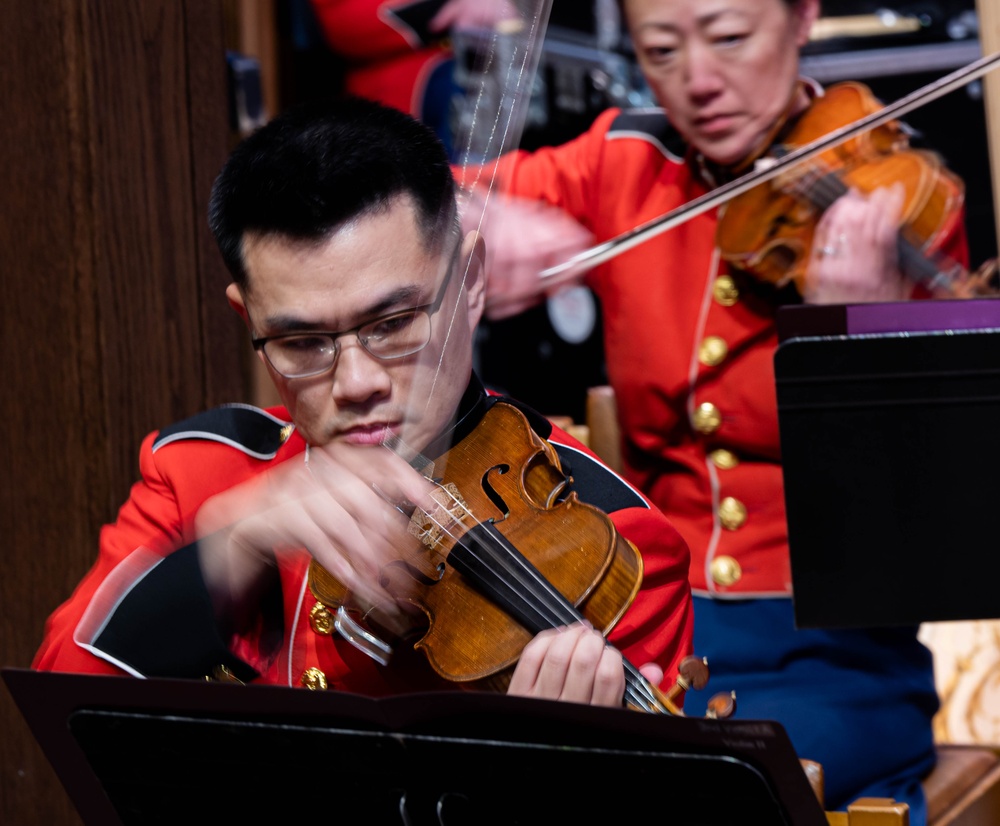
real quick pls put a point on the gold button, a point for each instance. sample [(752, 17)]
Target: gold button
[(313, 679), (732, 513), (725, 291), (713, 351), (320, 620), (726, 571), (707, 418), (723, 459), (286, 431)]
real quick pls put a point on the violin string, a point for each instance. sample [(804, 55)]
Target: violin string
[(525, 575), (556, 599), (817, 184)]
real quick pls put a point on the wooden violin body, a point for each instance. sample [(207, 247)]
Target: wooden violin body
[(769, 230), (499, 502)]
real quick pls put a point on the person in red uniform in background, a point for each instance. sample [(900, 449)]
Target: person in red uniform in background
[(398, 51), (689, 343), (338, 222)]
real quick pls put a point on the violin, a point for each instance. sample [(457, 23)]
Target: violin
[(768, 231), (503, 554)]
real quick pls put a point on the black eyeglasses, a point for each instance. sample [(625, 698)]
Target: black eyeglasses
[(392, 336)]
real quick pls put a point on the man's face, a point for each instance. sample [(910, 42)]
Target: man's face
[(371, 267), (725, 70)]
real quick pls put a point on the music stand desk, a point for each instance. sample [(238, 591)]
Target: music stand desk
[(888, 416), (163, 751)]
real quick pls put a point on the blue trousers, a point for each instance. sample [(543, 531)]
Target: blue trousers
[(859, 702)]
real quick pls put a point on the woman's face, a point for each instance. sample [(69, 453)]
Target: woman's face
[(725, 70)]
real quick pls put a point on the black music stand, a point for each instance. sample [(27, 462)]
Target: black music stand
[(889, 417), (163, 751)]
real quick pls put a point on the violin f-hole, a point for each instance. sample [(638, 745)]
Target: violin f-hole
[(493, 494)]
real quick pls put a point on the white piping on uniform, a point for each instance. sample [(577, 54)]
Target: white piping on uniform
[(295, 625), (706, 303)]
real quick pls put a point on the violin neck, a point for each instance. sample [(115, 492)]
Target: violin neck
[(822, 187), (486, 558), (642, 695), (923, 270)]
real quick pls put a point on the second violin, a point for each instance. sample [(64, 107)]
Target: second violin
[(768, 230)]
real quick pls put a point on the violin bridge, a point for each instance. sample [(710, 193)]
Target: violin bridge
[(449, 513)]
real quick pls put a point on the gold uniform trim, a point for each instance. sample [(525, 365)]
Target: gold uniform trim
[(725, 291), (732, 513), (713, 351), (707, 418), (313, 679), (726, 571)]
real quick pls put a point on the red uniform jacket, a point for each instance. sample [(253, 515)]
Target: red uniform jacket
[(390, 56), (143, 608)]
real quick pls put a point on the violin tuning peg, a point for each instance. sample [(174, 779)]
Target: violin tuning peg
[(693, 673), (721, 706)]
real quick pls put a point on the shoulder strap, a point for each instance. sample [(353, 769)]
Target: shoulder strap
[(244, 427)]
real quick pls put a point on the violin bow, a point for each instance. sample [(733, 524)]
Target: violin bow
[(493, 111), (496, 67), (613, 247)]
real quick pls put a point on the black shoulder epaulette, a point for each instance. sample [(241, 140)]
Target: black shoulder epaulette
[(595, 483), (651, 125), (242, 426)]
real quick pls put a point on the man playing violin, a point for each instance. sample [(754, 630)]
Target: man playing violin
[(689, 343), (339, 225)]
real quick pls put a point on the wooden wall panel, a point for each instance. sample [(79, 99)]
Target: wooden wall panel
[(114, 317)]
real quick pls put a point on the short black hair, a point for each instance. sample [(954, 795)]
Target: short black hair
[(315, 167)]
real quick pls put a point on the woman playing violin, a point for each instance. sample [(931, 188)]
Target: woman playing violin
[(689, 343), (339, 225)]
